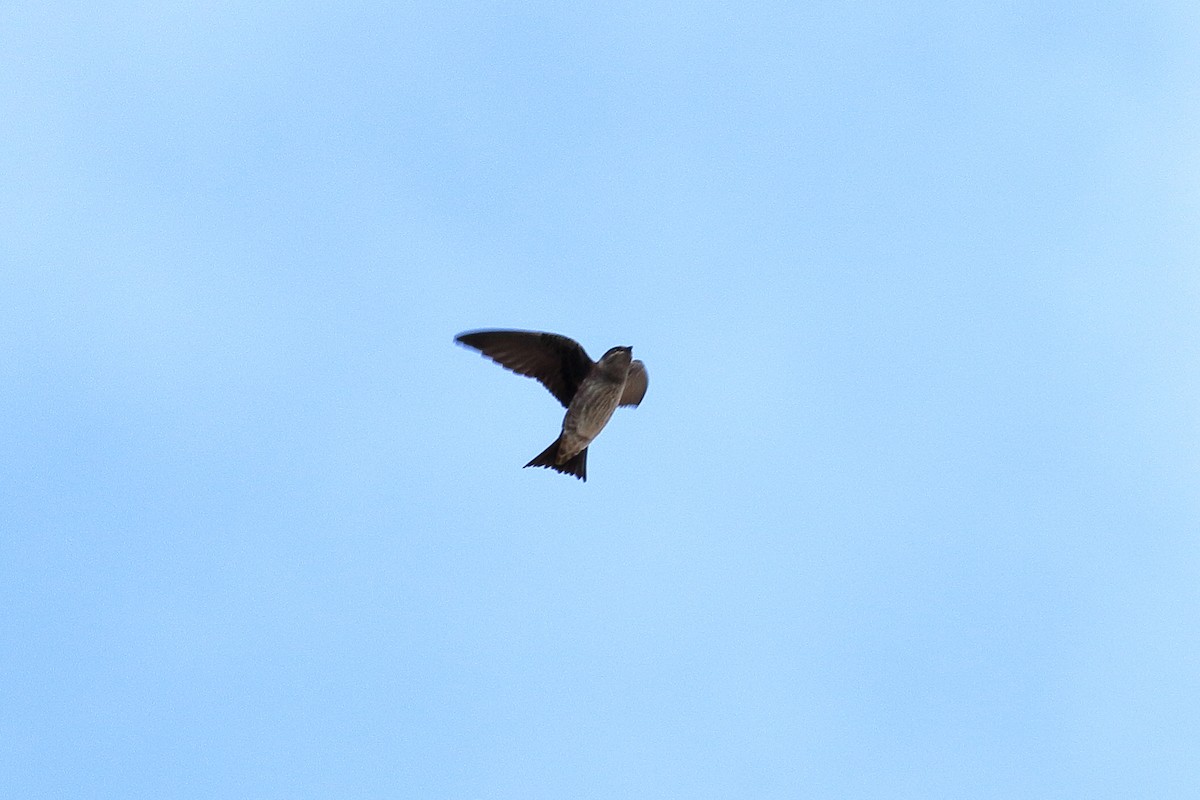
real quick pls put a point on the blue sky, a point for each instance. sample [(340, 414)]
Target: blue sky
[(911, 507)]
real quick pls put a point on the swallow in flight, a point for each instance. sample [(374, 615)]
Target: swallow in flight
[(590, 390)]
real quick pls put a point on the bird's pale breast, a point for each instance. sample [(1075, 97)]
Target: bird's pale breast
[(589, 412)]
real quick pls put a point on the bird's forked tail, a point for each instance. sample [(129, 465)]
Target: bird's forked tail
[(576, 466)]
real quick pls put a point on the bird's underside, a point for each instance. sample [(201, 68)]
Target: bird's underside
[(591, 390)]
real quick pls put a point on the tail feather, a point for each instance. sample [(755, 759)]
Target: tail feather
[(577, 466)]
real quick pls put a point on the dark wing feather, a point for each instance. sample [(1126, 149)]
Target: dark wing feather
[(635, 384), (559, 363)]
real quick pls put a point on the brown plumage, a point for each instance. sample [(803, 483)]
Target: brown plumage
[(591, 390)]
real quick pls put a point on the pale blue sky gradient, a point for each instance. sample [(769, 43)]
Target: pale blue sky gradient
[(912, 506)]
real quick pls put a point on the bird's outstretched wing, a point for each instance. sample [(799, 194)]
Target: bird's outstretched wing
[(635, 384), (559, 363)]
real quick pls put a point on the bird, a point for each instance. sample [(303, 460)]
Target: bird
[(590, 390)]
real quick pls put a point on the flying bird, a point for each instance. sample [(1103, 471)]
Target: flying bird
[(590, 390)]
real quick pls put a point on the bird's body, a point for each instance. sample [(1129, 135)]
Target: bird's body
[(590, 410), (591, 391)]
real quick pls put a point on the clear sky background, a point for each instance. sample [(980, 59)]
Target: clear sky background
[(912, 506)]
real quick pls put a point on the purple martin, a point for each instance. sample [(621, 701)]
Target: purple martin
[(591, 390)]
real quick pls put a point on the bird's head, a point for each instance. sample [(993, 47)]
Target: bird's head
[(617, 360)]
